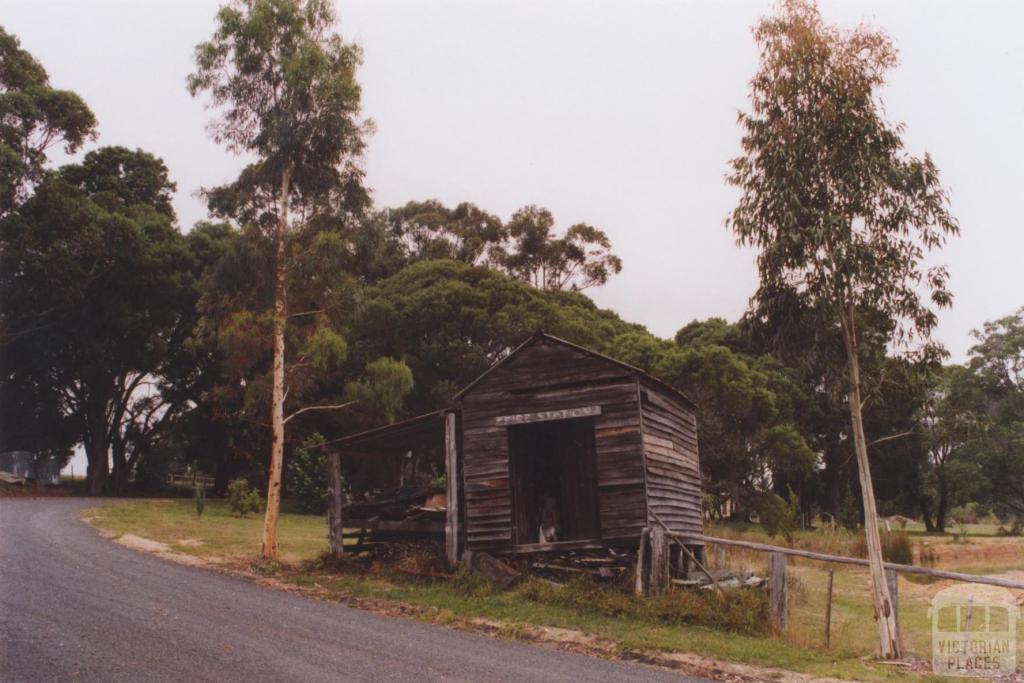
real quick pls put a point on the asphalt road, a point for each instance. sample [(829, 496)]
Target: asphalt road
[(74, 606)]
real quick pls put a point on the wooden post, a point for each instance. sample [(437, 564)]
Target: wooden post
[(335, 529), (721, 557), (828, 610), (451, 463), (659, 561), (641, 564), (677, 565), (892, 578), (778, 611)]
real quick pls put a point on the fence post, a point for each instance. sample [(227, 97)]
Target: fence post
[(335, 528), (641, 564), (892, 578), (451, 460), (828, 611), (778, 611), (659, 561)]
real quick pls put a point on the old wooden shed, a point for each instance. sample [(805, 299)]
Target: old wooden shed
[(554, 447)]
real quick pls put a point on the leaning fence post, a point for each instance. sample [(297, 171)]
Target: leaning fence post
[(892, 578), (777, 598)]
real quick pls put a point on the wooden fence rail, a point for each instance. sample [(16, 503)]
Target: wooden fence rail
[(839, 559)]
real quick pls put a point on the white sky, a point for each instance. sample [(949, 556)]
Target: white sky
[(619, 114)]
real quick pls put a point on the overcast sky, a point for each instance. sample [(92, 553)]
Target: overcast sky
[(619, 114)]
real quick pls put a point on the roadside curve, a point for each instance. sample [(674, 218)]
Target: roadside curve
[(74, 606)]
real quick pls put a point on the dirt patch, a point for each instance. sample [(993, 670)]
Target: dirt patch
[(190, 542), (162, 550)]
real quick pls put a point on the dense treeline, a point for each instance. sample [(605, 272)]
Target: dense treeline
[(154, 347)]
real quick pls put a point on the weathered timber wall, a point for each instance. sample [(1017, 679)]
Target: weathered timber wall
[(673, 467), (547, 376)]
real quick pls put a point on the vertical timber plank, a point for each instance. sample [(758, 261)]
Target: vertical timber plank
[(659, 561), (777, 598), (451, 461), (335, 527)]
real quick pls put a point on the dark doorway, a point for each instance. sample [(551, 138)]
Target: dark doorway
[(554, 475)]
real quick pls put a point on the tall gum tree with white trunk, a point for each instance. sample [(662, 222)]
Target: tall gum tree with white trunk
[(841, 214), (284, 86)]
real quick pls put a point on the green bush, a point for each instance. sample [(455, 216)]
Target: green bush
[(242, 499), (306, 476), (896, 547), (778, 516), (849, 511)]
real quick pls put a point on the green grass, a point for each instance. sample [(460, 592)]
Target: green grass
[(634, 626), (220, 532)]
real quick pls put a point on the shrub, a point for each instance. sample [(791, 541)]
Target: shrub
[(849, 511), (777, 515), (1014, 530), (896, 547), (242, 499), (306, 476)]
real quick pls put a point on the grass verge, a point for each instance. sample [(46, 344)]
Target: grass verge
[(583, 616)]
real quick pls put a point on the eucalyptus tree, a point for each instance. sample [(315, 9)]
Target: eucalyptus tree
[(34, 117), (997, 365), (581, 258), (841, 214), (284, 83)]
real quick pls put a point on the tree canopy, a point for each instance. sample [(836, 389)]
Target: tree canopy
[(34, 117)]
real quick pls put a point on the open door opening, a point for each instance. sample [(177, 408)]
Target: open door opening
[(554, 475)]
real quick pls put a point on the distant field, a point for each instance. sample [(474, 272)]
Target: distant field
[(223, 537), (852, 616)]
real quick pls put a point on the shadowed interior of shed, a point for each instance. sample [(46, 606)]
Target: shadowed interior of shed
[(554, 479)]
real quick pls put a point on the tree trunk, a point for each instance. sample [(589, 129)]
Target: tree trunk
[(97, 450), (943, 503), (278, 395), (885, 615), (923, 504), (98, 464), (119, 475)]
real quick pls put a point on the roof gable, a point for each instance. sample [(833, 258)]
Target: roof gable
[(574, 350)]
